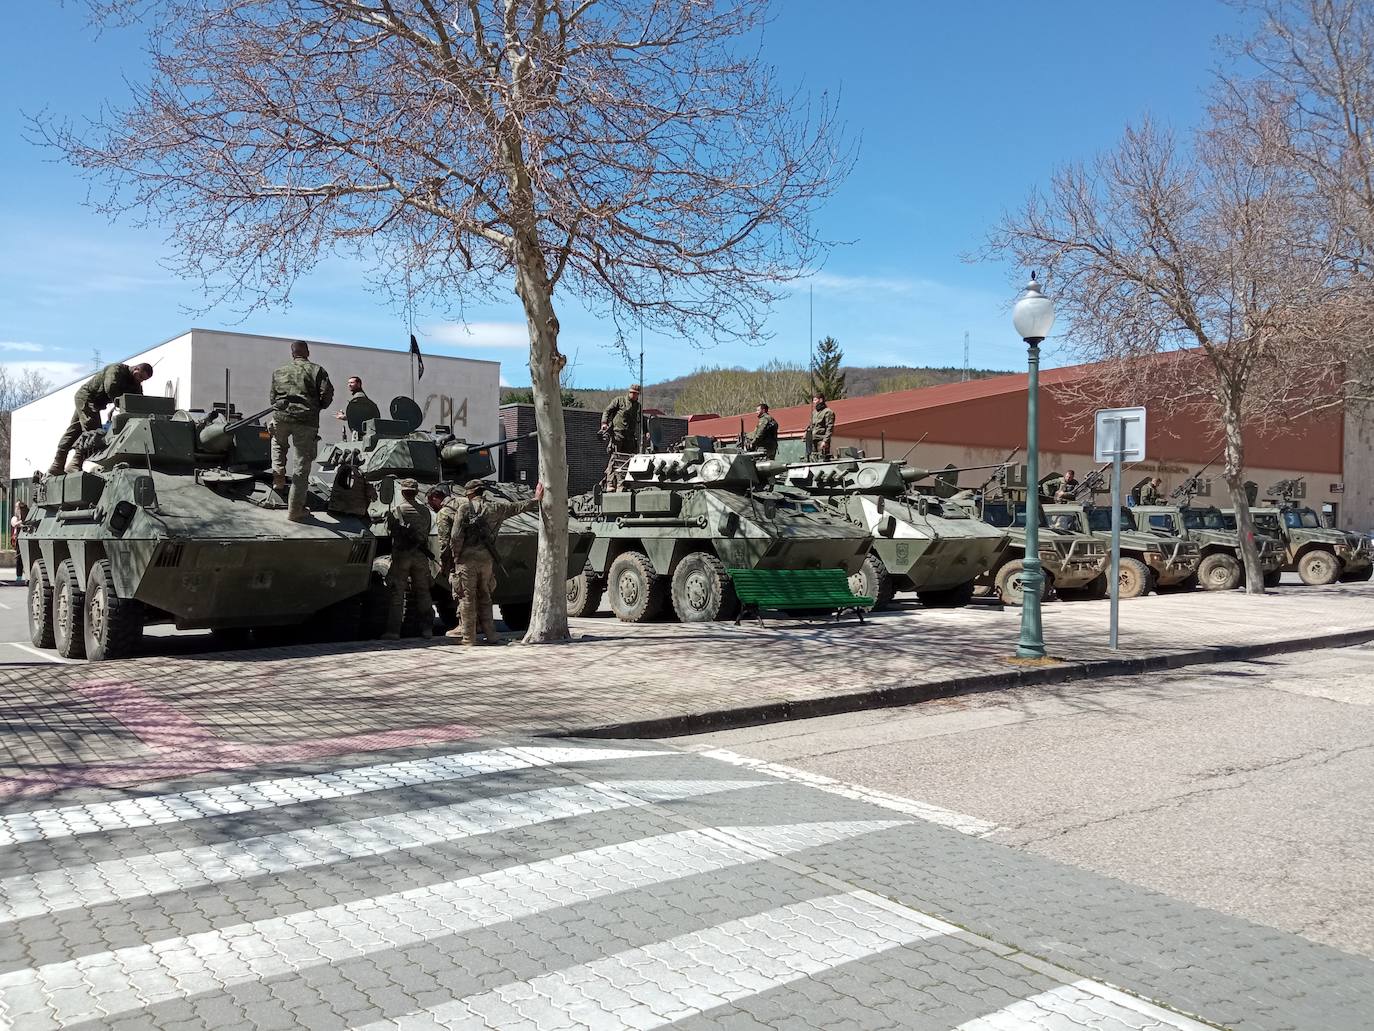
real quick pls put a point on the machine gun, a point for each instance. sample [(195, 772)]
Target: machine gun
[(1289, 492), (1092, 483), (1193, 485), (998, 476)]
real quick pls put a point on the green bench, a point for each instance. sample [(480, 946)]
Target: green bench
[(796, 590)]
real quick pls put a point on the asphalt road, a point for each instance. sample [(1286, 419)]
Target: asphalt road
[(1241, 787)]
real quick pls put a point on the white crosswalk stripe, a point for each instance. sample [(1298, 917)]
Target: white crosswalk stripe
[(1079, 1006), (104, 984), (688, 974), (91, 884), (68, 821)]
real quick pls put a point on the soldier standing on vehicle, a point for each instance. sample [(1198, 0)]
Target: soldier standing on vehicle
[(409, 523), (822, 428), (360, 408), (1152, 493), (1066, 487), (92, 398), (621, 428), (300, 391), (472, 540), (765, 435), (1051, 485)]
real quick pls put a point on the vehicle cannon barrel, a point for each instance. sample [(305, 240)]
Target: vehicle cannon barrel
[(458, 451), (911, 475), (218, 436)]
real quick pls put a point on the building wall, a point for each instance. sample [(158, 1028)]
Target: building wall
[(1357, 498)]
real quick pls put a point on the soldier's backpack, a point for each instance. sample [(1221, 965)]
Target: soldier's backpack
[(404, 537), (477, 530)]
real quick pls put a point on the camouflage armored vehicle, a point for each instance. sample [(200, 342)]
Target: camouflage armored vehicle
[(682, 520), (178, 524), (1150, 559), (918, 544), (387, 450), (1073, 562), (1318, 554), (1221, 568)]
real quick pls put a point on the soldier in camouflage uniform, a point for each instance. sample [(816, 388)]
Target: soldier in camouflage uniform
[(472, 541), (300, 390), (765, 435), (621, 424), (822, 428), (448, 507), (1152, 493), (409, 525), (359, 410), (92, 398)]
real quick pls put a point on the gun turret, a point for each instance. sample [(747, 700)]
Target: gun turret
[(456, 451), (216, 436), (1289, 492), (1193, 485)]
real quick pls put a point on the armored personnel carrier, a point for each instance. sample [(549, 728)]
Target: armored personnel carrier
[(918, 544), (1150, 559), (1318, 554), (176, 522), (387, 450), (682, 520), (1073, 562)]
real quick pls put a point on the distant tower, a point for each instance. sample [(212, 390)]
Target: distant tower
[(965, 375)]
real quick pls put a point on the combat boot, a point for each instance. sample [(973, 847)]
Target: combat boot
[(278, 481), (456, 633)]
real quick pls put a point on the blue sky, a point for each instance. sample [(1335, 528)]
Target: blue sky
[(960, 108)]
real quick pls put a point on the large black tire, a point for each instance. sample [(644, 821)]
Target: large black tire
[(40, 606), (113, 625), (873, 581), (947, 598), (584, 593), (1008, 582), (1317, 568), (702, 590), (68, 611), (1359, 576), (1220, 572), (1188, 583), (516, 615), (636, 593), (1273, 578), (1135, 579)]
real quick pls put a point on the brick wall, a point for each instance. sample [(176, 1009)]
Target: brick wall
[(586, 453)]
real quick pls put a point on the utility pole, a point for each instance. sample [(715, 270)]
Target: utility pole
[(964, 377), (811, 337)]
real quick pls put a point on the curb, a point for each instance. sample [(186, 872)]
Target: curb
[(688, 724)]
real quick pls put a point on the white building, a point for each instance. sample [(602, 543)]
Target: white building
[(460, 392)]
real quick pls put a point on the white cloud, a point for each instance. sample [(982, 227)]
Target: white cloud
[(479, 334), (21, 345), (57, 373), (836, 283)]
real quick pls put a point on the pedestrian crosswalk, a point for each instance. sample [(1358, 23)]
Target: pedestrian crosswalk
[(541, 887)]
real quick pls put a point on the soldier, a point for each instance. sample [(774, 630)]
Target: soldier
[(92, 398), (300, 390), (621, 424), (822, 428), (765, 435), (1152, 493), (1066, 487), (409, 525), (445, 505), (359, 405), (472, 540)]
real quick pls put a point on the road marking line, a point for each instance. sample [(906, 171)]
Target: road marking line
[(4, 606), (227, 799), (671, 980), (1082, 1003), (44, 655), (93, 884), (961, 822), (104, 984)]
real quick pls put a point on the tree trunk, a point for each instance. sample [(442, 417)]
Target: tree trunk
[(1235, 481)]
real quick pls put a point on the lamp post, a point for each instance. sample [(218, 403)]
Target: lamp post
[(1032, 315)]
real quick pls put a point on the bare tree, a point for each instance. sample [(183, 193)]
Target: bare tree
[(18, 386), (1199, 282), (631, 152), (738, 391)]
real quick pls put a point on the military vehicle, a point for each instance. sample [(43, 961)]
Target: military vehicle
[(177, 523), (1150, 559), (387, 450), (918, 544), (1073, 562), (682, 520), (1318, 554)]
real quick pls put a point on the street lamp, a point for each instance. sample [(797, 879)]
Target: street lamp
[(1032, 315)]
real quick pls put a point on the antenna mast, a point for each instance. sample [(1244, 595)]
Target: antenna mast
[(811, 337), (965, 375)]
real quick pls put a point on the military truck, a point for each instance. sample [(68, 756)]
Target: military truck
[(1221, 567), (174, 521), (1073, 562), (682, 520), (918, 544), (1150, 559), (1318, 554), (387, 450)]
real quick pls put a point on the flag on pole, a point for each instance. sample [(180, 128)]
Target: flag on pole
[(419, 358)]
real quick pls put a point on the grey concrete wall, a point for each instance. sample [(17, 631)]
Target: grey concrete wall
[(586, 452)]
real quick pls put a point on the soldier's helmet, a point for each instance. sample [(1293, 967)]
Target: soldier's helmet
[(475, 485), (407, 485)]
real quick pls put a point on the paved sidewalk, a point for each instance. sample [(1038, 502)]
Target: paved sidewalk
[(122, 723)]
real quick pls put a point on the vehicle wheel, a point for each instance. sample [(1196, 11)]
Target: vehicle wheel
[(702, 590), (584, 593), (113, 625), (949, 598), (40, 606), (1316, 568), (516, 614), (68, 611), (1009, 584), (1220, 572), (376, 602), (1134, 579), (636, 592), (873, 581), (1359, 576), (1188, 583)]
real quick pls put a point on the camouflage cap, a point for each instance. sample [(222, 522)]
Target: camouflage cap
[(475, 485), (634, 387), (407, 484)]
